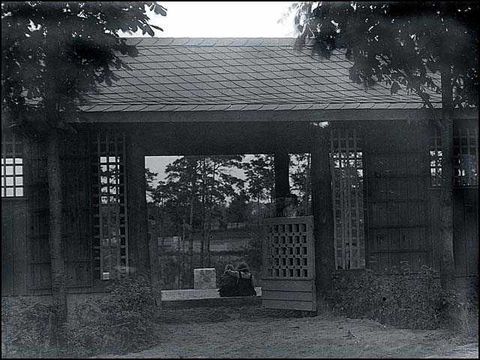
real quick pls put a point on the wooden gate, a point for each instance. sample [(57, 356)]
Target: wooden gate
[(289, 265)]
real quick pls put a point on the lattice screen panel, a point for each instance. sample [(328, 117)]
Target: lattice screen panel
[(12, 166), (465, 157), (436, 160), (110, 246), (289, 248), (347, 193)]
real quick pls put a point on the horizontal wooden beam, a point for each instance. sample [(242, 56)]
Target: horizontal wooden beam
[(269, 116)]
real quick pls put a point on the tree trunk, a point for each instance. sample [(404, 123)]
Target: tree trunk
[(55, 234), (282, 184), (447, 264)]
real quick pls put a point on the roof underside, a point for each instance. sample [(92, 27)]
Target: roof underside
[(181, 74)]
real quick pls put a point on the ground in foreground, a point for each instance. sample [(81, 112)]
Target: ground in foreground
[(250, 332)]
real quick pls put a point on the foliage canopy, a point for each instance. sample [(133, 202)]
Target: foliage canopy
[(404, 44), (53, 53)]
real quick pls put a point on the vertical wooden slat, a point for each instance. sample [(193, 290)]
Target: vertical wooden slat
[(100, 199), (117, 206), (348, 192), (333, 159), (322, 212), (341, 197), (357, 212), (137, 206), (125, 200)]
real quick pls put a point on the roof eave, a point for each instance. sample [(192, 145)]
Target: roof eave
[(269, 116)]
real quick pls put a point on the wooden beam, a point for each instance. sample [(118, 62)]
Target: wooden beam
[(269, 116), (322, 214)]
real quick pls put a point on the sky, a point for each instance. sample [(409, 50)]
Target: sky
[(224, 19), (219, 19)]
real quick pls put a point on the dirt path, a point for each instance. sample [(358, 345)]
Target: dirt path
[(229, 333)]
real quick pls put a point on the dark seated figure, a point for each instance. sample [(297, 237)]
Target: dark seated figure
[(228, 283), (245, 285)]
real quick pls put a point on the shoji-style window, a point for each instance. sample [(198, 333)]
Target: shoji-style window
[(110, 246), (347, 192), (465, 158), (12, 166)]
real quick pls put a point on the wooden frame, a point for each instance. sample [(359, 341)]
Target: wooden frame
[(289, 283), (110, 245), (346, 164)]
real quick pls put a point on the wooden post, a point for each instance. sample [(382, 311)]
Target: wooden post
[(138, 243), (282, 184), (155, 270), (322, 214)]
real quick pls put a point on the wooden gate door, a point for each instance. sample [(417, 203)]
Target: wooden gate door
[(288, 280)]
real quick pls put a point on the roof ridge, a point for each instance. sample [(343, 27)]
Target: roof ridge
[(213, 41)]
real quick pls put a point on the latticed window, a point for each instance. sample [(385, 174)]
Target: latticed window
[(465, 158), (12, 166), (290, 248), (436, 161), (109, 198), (347, 192)]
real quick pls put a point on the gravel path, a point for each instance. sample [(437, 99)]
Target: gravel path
[(247, 333)]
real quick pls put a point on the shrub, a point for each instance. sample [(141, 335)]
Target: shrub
[(122, 321), (460, 312), (25, 324), (402, 298)]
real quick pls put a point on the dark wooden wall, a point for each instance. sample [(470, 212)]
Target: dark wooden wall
[(14, 243), (76, 214), (397, 176), (25, 221), (403, 209), (36, 191)]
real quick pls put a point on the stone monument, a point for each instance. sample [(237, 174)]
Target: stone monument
[(204, 278)]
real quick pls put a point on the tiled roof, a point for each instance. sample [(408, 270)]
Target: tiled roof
[(224, 74)]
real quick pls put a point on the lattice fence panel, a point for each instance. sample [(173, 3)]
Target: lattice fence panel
[(289, 248), (110, 245), (347, 192), (465, 157)]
